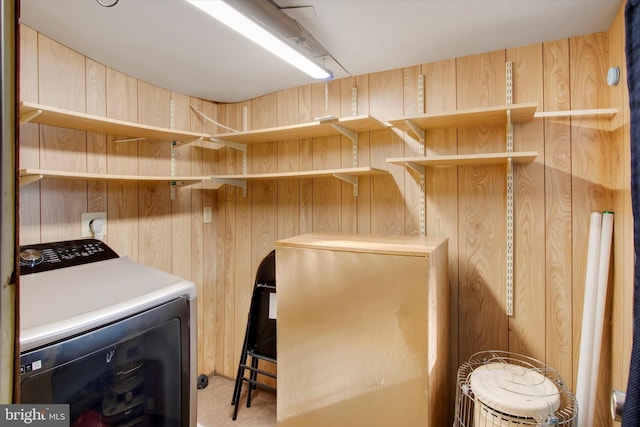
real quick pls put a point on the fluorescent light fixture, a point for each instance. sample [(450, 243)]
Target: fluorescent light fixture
[(259, 35)]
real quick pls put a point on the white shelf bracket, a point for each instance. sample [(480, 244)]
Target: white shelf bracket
[(27, 117), (236, 145), (353, 180), (29, 179), (186, 142), (420, 133), (242, 183), (418, 168), (510, 191), (353, 136), (128, 139)]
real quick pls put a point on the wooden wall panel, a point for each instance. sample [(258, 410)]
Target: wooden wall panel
[(197, 259), (481, 202), (288, 160), (122, 212), (154, 221), (441, 190), (411, 190), (557, 158), (96, 142), (29, 150), (591, 179), (180, 217), (582, 165), (525, 335), (386, 96), (61, 83)]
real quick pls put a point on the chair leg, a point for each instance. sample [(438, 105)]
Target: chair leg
[(238, 383), (240, 374), (253, 375), (236, 398)]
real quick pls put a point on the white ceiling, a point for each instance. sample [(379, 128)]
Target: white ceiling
[(171, 44)]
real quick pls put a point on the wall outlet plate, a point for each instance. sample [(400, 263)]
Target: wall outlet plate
[(207, 215), (86, 219)]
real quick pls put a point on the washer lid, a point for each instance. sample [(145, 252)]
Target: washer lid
[(515, 390)]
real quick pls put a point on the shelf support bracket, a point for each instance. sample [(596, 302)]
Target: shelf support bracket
[(28, 179), (420, 133), (240, 147), (242, 183), (353, 136), (129, 139), (27, 117), (186, 142), (353, 180), (418, 168), (510, 191)]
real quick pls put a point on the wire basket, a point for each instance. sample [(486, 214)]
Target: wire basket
[(502, 389)]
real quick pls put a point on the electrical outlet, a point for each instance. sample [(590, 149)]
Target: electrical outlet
[(86, 219), (207, 215)]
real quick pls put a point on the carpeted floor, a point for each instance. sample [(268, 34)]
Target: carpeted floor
[(215, 410)]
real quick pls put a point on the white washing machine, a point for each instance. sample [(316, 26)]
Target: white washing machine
[(114, 339)]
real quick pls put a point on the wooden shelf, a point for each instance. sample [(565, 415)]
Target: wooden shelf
[(520, 113), (349, 175), (318, 128), (28, 176), (327, 173), (602, 112), (466, 159), (44, 115)]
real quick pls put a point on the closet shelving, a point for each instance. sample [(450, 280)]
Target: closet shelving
[(331, 126), (488, 116), (125, 131)]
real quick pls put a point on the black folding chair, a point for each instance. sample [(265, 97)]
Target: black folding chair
[(260, 336)]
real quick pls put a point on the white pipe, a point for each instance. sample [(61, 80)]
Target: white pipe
[(585, 413), (601, 299)]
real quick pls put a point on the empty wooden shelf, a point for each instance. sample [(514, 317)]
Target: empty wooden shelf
[(52, 116), (31, 175), (318, 128)]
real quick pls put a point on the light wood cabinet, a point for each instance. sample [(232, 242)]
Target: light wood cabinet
[(363, 332)]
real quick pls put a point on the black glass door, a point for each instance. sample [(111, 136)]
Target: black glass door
[(133, 372)]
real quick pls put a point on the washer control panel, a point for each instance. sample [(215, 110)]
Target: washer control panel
[(50, 256)]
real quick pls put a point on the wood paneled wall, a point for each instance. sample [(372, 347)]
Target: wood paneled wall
[(583, 166)]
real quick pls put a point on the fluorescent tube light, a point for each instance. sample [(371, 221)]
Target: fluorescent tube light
[(259, 35)]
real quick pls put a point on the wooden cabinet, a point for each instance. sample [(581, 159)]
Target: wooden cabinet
[(363, 333)]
